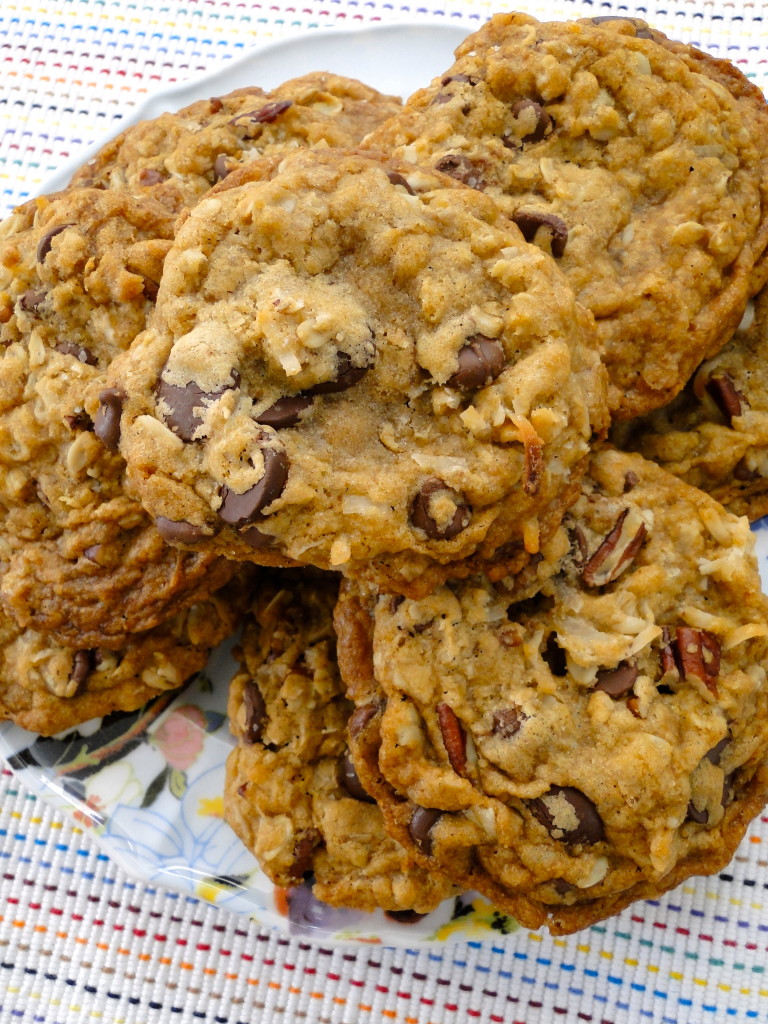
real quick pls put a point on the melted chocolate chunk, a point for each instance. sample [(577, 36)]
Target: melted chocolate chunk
[(222, 167), (285, 412), (421, 518), (179, 530), (241, 509), (303, 854), (693, 814), (79, 420), (106, 426), (544, 123), (481, 360), (31, 299), (350, 780), (151, 176), (267, 114), (83, 663), (715, 754), (554, 655), (404, 916), (631, 480), (398, 179), (255, 539), (44, 245), (346, 376), (183, 405), (507, 721), (531, 221), (80, 352), (255, 712), (617, 682), (460, 167), (420, 827), (589, 827), (361, 716), (722, 389)]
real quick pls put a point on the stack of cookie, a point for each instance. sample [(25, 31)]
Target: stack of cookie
[(487, 649)]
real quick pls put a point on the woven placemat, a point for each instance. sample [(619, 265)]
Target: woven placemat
[(79, 940)]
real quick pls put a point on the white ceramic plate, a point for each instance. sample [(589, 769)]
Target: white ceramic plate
[(147, 785)]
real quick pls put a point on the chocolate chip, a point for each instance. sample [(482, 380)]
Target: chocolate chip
[(507, 721), (285, 412), (459, 78), (151, 176), (31, 299), (346, 375), (183, 405), (642, 31), (554, 655), (460, 167), (693, 814), (589, 827), (106, 425), (222, 167), (44, 245), (350, 780), (240, 509), (617, 682), (80, 352), (404, 916), (722, 389), (398, 179), (481, 360), (394, 603), (264, 115), (92, 553), (422, 519), (631, 480), (361, 716), (531, 221), (420, 826), (255, 712), (179, 530), (79, 420), (715, 754), (544, 123), (453, 737), (83, 663), (255, 539), (303, 854)]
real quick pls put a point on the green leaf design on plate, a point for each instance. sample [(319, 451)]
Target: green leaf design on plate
[(156, 787)]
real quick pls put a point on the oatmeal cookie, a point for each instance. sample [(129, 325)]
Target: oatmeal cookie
[(592, 745), (178, 156), (639, 163), (78, 556), (714, 434), (291, 791), (47, 687), (361, 366)]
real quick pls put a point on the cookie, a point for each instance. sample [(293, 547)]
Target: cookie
[(78, 556), (178, 156), (592, 745), (636, 161), (291, 792), (358, 366), (714, 434), (47, 687)]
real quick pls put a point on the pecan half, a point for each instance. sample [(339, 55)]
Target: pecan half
[(617, 550), (453, 737)]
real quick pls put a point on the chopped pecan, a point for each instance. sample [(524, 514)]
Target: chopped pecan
[(692, 652), (617, 550), (453, 737)]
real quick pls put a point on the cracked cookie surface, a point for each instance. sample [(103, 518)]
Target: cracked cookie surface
[(594, 744), (637, 161), (360, 366), (291, 792), (178, 156), (78, 555)]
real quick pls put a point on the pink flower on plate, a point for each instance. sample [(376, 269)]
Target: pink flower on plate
[(180, 736)]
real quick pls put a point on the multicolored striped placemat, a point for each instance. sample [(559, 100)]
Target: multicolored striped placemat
[(79, 940)]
